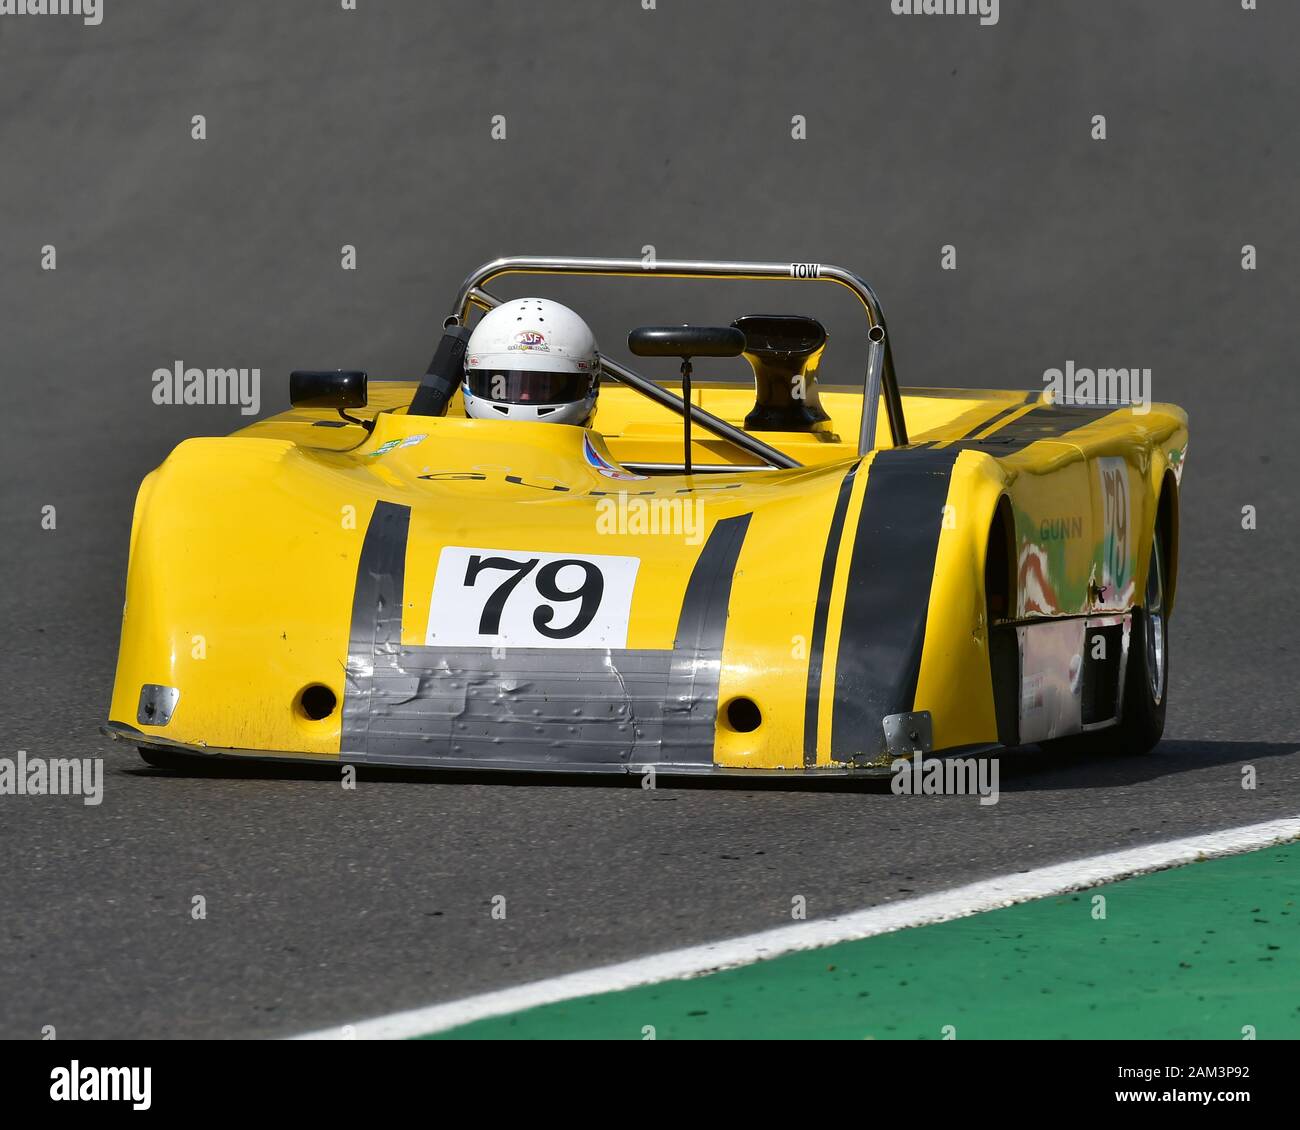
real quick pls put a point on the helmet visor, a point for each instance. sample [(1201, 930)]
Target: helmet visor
[(528, 386)]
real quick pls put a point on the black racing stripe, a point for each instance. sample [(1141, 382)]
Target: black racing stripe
[(817, 646), (987, 422), (376, 615), (1043, 421), (1001, 415), (925, 392), (888, 595), (691, 700)]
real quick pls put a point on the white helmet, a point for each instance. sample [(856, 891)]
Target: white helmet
[(531, 359)]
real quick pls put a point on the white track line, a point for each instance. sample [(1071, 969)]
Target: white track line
[(988, 894)]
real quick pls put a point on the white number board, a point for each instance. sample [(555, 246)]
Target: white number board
[(511, 598)]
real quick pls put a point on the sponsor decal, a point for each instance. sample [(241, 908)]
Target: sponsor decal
[(1177, 457), (394, 444), (1060, 529), (603, 466), (1033, 577), (488, 473), (1117, 548), (531, 341)]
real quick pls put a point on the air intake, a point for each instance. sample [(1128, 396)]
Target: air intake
[(784, 350)]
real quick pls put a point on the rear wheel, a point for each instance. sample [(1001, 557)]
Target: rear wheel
[(1142, 716)]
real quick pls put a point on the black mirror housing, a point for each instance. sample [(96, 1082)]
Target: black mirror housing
[(686, 341)]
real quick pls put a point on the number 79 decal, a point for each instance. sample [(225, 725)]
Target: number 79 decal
[(509, 598)]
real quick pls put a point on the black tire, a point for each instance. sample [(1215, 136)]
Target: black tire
[(1146, 682)]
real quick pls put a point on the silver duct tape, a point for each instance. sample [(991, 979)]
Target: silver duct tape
[(531, 707), (522, 705)]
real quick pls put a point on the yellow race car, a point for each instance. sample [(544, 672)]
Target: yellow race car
[(790, 576)]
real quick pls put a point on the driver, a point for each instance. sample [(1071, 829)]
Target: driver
[(531, 359)]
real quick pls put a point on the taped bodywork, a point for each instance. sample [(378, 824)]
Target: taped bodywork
[(522, 707)]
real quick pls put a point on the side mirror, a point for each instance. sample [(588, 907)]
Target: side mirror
[(327, 388), (686, 341)]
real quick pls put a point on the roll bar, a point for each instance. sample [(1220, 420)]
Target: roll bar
[(879, 378)]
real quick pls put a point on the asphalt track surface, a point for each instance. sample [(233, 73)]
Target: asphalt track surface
[(624, 128)]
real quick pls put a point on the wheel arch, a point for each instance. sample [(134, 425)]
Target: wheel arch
[(1000, 603), (1167, 527)]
